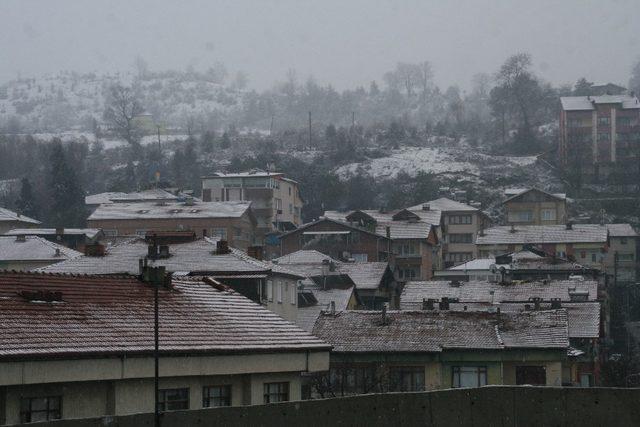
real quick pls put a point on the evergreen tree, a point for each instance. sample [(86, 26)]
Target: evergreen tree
[(27, 203), (226, 141), (66, 195)]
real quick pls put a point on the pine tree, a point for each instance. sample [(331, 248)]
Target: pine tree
[(66, 195), (26, 203), (226, 141)]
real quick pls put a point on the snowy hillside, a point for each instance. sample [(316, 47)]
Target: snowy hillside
[(71, 101)]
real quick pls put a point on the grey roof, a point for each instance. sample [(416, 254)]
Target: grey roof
[(445, 205), (7, 215), (521, 260), (577, 103), (338, 222), (537, 234), (583, 317), (621, 230), (400, 229), (307, 316), (90, 233), (250, 174), (128, 211), (34, 248), (309, 263), (480, 291), (155, 194), (515, 193), (193, 257), (433, 332)]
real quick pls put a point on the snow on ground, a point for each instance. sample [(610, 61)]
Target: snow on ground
[(412, 160), (80, 136)]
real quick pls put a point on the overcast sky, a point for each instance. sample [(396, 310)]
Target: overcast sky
[(342, 42)]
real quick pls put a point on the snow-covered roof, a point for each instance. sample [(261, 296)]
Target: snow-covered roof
[(90, 233), (155, 194), (577, 103), (538, 234), (621, 230), (129, 211), (7, 215), (256, 174), (445, 205), (510, 193), (33, 248)]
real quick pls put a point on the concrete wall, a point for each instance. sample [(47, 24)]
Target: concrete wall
[(487, 406)]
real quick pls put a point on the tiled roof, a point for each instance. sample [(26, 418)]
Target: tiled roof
[(521, 260), (401, 229), (307, 316), (481, 291), (570, 103), (621, 230), (515, 193), (90, 233), (34, 248), (339, 223), (101, 315), (538, 234), (169, 210), (256, 174), (445, 205), (431, 332), (197, 256), (583, 317), (365, 275), (151, 195), (7, 215)]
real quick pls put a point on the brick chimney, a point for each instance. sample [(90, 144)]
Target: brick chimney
[(222, 247)]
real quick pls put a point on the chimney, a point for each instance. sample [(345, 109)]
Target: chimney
[(164, 251), (569, 225), (222, 247), (536, 302), (387, 230), (94, 249), (427, 304), (444, 304), (385, 320), (59, 231), (426, 207), (556, 303), (332, 310), (21, 238), (152, 251), (156, 276), (512, 229), (58, 253)]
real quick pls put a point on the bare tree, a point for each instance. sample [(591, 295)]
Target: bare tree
[(122, 109)]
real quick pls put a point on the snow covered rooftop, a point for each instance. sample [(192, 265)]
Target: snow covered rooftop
[(7, 215), (90, 233), (155, 194), (33, 248), (128, 211), (445, 205), (621, 230), (577, 103), (538, 234)]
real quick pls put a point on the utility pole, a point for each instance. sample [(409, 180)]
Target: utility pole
[(310, 147)]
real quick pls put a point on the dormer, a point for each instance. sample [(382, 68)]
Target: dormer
[(405, 215)]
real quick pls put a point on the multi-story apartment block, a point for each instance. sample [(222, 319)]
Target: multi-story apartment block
[(599, 134), (535, 207), (275, 199), (460, 225)]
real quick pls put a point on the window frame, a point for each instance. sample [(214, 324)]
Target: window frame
[(481, 373), (281, 394), (225, 395), (26, 416), (415, 375), (163, 400)]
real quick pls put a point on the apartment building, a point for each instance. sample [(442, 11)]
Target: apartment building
[(230, 221), (622, 262), (460, 225), (275, 199), (429, 350), (535, 207), (600, 135), (82, 346)]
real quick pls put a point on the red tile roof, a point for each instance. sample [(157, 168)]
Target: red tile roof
[(113, 315)]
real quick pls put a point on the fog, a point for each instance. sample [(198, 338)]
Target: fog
[(342, 43)]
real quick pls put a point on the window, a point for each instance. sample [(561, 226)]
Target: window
[(409, 273), (34, 409), (276, 392), (458, 257), (289, 190), (270, 290), (141, 233), (354, 379), (219, 232), (460, 219), (521, 216), (594, 257), (623, 240), (409, 248), (586, 380), (290, 208), (561, 254), (603, 136), (407, 378), (293, 295), (531, 375), (625, 257), (461, 238), (623, 121), (217, 395), (575, 123), (279, 206), (173, 399), (604, 121), (110, 232), (360, 257), (279, 292), (469, 376), (548, 214)]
